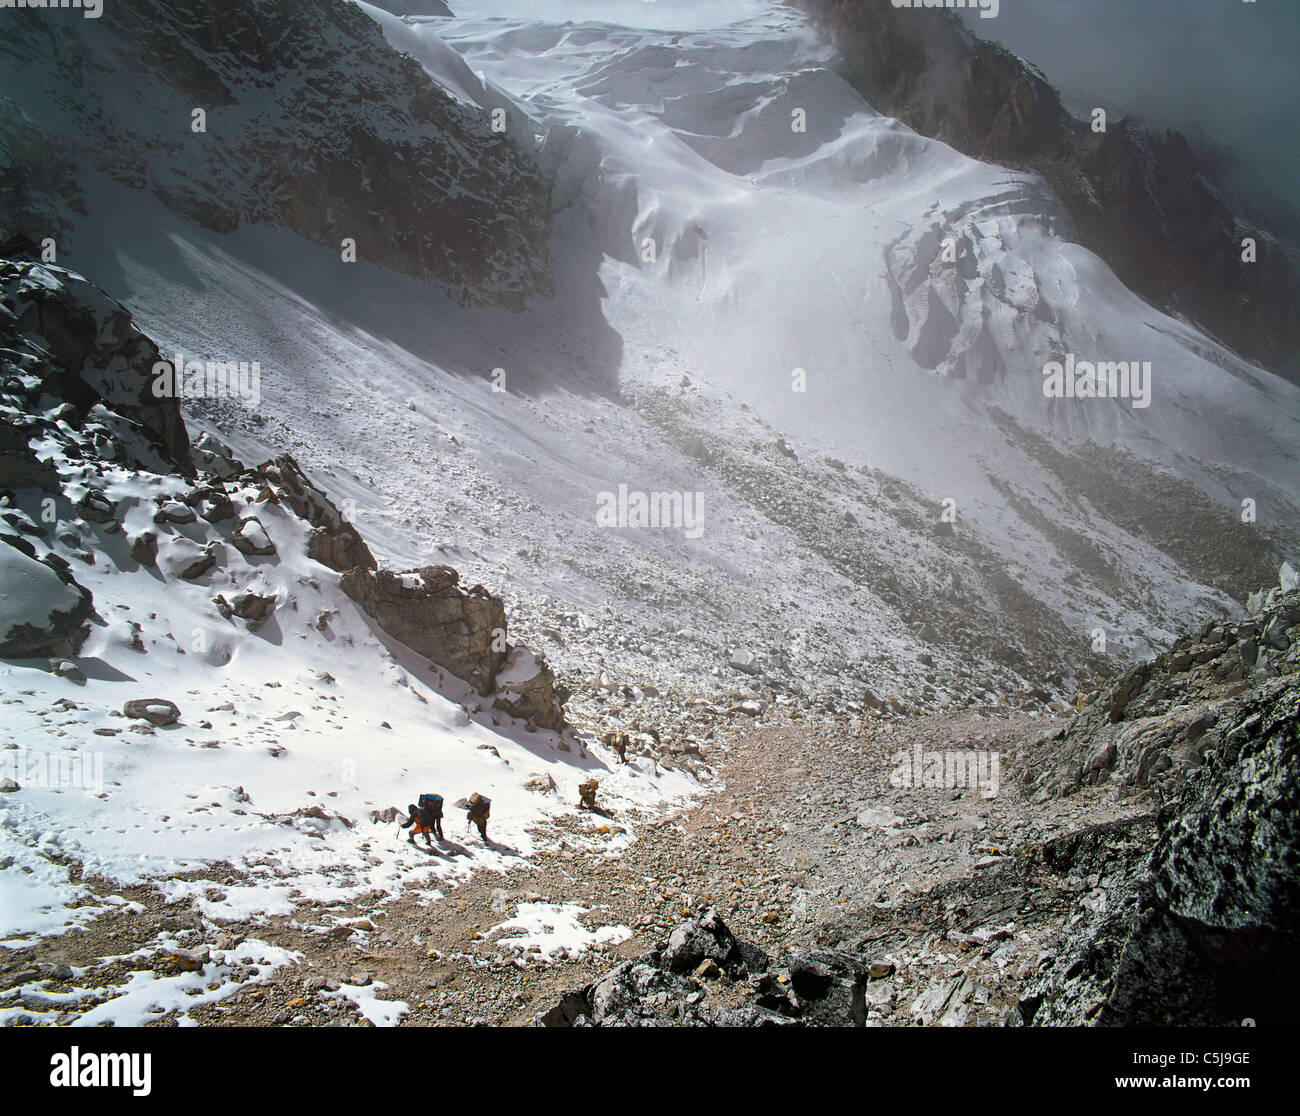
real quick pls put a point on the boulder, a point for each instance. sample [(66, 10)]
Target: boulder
[(744, 661), (157, 711), (637, 991), (829, 988), (426, 609), (212, 503), (251, 537), (95, 507), (526, 688), (253, 607), (195, 567), (173, 511), (702, 939), (215, 458), (66, 668), (44, 612), (144, 548)]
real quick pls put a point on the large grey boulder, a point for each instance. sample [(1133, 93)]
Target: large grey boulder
[(428, 610), (526, 688)]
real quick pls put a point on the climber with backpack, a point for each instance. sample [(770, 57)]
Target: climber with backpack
[(425, 816), (478, 810)]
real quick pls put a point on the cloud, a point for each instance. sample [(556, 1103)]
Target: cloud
[(1215, 69)]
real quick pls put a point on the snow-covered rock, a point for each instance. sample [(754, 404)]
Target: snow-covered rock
[(43, 611)]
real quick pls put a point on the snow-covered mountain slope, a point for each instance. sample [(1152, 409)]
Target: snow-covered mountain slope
[(729, 223), (229, 702), (1139, 196)]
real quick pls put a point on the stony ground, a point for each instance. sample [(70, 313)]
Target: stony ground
[(803, 834)]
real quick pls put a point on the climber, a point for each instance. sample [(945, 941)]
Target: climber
[(478, 812), (618, 742), (425, 817), (587, 794)]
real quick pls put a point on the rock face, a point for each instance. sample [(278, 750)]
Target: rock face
[(1139, 199), (427, 610), (462, 631), (1154, 725), (65, 338), (414, 7), (1203, 930), (312, 122)]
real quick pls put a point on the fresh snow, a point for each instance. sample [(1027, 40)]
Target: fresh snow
[(545, 929), (775, 250), (274, 722), (29, 592)]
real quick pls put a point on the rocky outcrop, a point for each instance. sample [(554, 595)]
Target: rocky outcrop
[(427, 609), (1138, 198), (213, 457), (76, 374), (464, 632), (526, 688), (818, 988), (1203, 930), (1153, 727), (312, 121), (63, 337), (334, 542), (250, 537)]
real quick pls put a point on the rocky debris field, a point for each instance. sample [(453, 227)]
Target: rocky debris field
[(1168, 895), (840, 871), (804, 826)]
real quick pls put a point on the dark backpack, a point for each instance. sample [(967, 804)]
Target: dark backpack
[(431, 805)]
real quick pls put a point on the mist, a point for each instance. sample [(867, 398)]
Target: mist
[(1223, 72)]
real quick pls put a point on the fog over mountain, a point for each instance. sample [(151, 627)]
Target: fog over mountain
[(1223, 73)]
